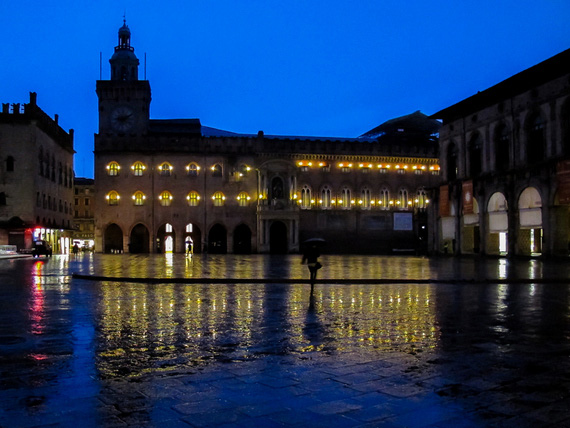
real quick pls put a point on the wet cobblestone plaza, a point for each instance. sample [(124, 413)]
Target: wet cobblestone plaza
[(483, 343)]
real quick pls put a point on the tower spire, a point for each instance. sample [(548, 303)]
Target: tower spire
[(124, 63)]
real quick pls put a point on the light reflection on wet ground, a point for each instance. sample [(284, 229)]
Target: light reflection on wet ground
[(167, 326), (77, 338)]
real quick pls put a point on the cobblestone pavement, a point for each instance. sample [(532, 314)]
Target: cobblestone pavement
[(96, 353)]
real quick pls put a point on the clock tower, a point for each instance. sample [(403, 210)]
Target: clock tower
[(124, 101)]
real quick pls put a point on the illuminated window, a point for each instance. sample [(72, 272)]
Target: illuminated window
[(165, 169), (192, 169), (345, 201), (384, 200), (243, 199), (421, 199), (113, 169), (193, 199), (165, 198), (138, 169), (113, 198), (403, 199), (139, 198), (365, 199), (325, 200), (189, 228), (168, 228), (306, 197), (216, 170), (345, 168), (218, 199), (244, 170)]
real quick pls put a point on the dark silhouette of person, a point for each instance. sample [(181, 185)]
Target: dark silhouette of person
[(311, 257)]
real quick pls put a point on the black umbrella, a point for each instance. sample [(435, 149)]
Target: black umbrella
[(315, 241)]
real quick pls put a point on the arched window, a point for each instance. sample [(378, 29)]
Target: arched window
[(243, 199), (306, 197), (325, 200), (365, 199), (113, 198), (192, 169), (193, 199), (451, 162), (403, 200), (536, 139), (165, 198), (345, 201), (421, 200), (168, 228), (475, 155), (219, 199), (165, 169), (502, 148), (113, 169), (138, 169), (216, 170), (139, 198), (384, 200)]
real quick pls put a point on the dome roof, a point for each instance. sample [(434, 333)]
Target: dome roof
[(124, 30), (124, 54)]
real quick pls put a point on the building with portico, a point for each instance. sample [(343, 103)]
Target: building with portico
[(505, 158)]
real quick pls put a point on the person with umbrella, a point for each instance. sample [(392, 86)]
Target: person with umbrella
[(311, 256)]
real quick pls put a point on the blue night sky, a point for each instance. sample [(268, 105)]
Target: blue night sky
[(318, 68)]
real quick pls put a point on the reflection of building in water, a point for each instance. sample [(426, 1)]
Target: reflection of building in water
[(166, 326), (163, 183)]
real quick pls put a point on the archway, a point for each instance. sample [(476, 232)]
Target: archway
[(498, 224), (278, 243), (113, 239), (139, 239), (529, 238), (217, 240), (166, 239), (242, 239), (193, 236)]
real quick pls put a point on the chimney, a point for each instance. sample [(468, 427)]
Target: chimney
[(56, 118), (33, 98)]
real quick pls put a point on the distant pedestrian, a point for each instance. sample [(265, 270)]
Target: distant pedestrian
[(311, 258), (75, 248), (189, 248)]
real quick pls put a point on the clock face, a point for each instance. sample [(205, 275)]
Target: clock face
[(122, 118)]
